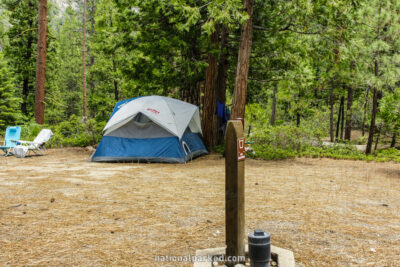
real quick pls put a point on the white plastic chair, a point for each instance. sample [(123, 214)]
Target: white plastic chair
[(37, 146)]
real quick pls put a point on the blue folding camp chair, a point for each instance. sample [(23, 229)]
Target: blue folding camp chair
[(12, 133)]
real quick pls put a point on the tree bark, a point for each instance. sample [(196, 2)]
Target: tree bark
[(298, 117), (273, 111), (242, 70), (375, 97), (379, 129), (210, 95), (393, 143), (336, 51), (349, 113), (339, 117), (84, 61), (365, 112), (342, 121), (116, 93), (331, 104), (372, 125), (41, 62)]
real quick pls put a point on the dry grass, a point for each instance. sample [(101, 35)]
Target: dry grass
[(61, 210)]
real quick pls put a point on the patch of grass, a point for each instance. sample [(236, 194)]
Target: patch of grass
[(391, 154)]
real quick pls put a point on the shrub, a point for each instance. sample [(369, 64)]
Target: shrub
[(75, 133), (391, 154), (68, 133)]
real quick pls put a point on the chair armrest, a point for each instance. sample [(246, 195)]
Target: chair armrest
[(23, 142)]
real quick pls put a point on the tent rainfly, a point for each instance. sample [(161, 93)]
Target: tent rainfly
[(151, 129)]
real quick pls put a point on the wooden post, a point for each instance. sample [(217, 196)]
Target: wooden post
[(234, 190)]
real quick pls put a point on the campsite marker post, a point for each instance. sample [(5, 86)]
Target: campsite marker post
[(234, 190)]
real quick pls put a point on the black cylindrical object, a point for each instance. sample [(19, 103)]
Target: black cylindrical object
[(259, 249)]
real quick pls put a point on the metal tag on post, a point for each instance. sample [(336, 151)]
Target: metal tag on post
[(241, 149)]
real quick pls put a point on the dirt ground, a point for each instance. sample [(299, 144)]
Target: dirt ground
[(59, 210)]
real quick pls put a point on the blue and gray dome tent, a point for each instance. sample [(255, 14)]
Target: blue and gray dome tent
[(151, 129)]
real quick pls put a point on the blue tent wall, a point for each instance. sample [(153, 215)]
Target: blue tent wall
[(166, 149)]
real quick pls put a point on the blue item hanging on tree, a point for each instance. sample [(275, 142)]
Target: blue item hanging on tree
[(220, 109), (223, 113)]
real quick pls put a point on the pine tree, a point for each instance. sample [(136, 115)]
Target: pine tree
[(8, 102), (382, 52), (21, 51)]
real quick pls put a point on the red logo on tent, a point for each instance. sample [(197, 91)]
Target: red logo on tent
[(153, 110)]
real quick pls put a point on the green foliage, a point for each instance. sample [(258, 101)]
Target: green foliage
[(302, 53), (220, 149), (68, 133), (30, 130), (288, 141), (8, 102), (269, 152), (391, 154), (390, 108), (338, 151), (275, 151), (285, 137), (65, 97), (75, 133), (21, 48)]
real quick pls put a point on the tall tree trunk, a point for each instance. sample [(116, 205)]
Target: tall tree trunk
[(339, 117), (375, 96), (223, 66), (342, 122), (298, 117), (210, 95), (84, 61), (116, 93), (372, 125), (243, 64), (349, 113), (379, 129), (41, 62), (364, 112), (273, 111), (331, 105)]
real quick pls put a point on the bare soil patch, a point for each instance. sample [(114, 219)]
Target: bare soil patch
[(59, 210)]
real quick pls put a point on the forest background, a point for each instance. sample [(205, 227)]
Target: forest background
[(317, 70)]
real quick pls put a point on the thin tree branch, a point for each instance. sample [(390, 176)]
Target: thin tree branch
[(300, 32), (265, 81)]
